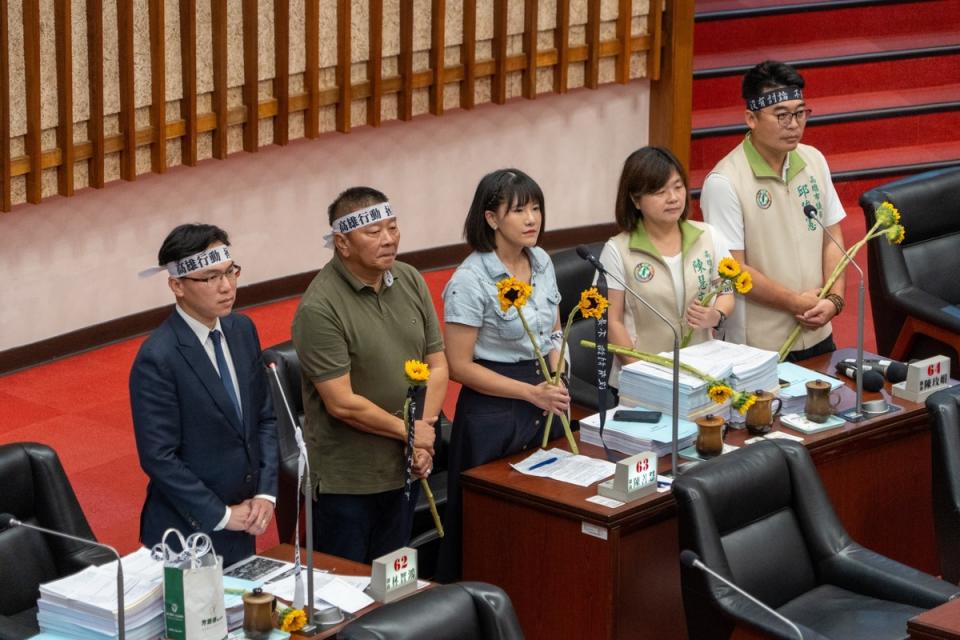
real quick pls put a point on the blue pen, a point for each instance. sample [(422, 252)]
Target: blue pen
[(543, 463)]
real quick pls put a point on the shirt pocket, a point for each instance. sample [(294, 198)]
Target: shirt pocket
[(509, 325)]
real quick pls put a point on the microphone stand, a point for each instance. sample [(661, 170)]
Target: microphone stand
[(307, 500), (674, 466), (855, 415), (121, 617)]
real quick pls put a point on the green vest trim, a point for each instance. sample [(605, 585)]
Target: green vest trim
[(640, 241), (795, 164)]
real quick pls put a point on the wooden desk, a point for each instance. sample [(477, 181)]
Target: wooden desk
[(942, 623), (532, 536), (333, 564)]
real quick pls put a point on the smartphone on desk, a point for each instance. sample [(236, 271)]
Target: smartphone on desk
[(625, 415)]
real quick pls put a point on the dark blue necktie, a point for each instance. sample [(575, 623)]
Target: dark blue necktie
[(225, 372)]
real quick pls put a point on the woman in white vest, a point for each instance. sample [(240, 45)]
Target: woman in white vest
[(665, 258)]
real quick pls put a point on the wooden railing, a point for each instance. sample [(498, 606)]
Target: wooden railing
[(504, 63)]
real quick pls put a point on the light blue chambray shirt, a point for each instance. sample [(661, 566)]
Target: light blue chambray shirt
[(470, 298)]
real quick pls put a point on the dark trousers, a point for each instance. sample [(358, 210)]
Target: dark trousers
[(363, 527), (824, 346), (486, 428)]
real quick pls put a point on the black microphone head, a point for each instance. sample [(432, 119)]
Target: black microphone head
[(872, 380), (584, 252), (810, 211), (688, 558), (896, 372), (5, 520)]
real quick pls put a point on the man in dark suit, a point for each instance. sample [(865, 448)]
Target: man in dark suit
[(202, 414)]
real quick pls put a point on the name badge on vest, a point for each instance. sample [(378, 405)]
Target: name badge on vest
[(643, 272)]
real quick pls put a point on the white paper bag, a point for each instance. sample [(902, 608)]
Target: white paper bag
[(193, 590)]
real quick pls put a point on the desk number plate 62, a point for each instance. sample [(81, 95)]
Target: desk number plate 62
[(394, 575)]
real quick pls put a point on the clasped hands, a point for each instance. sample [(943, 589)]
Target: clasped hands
[(252, 515), (424, 435), (816, 312)]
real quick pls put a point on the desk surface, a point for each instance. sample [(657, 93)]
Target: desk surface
[(941, 623), (333, 564), (571, 565)]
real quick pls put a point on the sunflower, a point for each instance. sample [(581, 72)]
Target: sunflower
[(744, 282), (728, 268), (887, 215), (512, 293), (592, 304), (743, 401), (896, 233), (290, 619), (417, 372), (719, 392)]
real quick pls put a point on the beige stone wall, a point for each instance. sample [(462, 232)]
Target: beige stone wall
[(297, 58)]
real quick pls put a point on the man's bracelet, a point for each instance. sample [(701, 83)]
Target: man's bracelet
[(837, 301)]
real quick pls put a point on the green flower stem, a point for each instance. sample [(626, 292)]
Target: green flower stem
[(560, 365), (850, 253), (423, 481), (706, 300), (649, 357), (545, 370)]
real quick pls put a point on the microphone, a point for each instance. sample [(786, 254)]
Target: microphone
[(856, 414), (891, 370), (872, 378), (691, 560), (584, 252), (303, 468), (7, 520)]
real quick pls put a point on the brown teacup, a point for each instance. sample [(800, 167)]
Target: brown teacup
[(819, 405), (761, 414), (710, 435)]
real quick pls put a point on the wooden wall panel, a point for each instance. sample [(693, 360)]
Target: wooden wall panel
[(311, 120), (344, 66), (592, 75), (438, 18), (64, 36), (95, 78), (561, 39), (5, 196), (219, 37), (281, 82), (530, 33), (375, 63), (405, 99), (31, 71), (251, 75), (158, 87), (499, 89), (468, 56), (128, 120), (188, 59)]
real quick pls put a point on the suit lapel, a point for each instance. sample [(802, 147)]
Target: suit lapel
[(196, 356)]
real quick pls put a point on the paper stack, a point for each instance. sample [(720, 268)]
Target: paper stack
[(651, 385), (84, 605), (634, 437), (752, 369)]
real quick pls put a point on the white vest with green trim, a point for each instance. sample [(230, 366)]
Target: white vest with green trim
[(646, 273), (778, 239)]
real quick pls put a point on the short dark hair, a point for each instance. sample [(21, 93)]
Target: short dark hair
[(504, 186), (354, 199), (769, 74), (188, 239), (646, 170)]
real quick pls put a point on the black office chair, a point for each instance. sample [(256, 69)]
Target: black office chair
[(913, 287), (36, 491), (574, 275), (425, 536), (761, 517), (459, 611), (944, 408)]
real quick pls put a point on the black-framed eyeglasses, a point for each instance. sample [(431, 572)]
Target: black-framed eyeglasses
[(231, 274), (800, 115)]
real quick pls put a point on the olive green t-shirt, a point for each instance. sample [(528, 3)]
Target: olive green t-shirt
[(343, 326)]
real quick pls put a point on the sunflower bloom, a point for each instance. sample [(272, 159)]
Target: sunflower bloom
[(417, 372), (719, 393), (592, 304), (728, 268), (744, 282), (887, 215), (743, 402), (512, 293), (895, 234), (291, 619)]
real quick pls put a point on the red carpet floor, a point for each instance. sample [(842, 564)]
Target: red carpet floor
[(80, 406)]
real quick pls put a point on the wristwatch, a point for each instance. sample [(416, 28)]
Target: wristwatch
[(723, 318)]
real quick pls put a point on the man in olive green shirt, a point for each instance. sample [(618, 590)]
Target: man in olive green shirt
[(361, 318)]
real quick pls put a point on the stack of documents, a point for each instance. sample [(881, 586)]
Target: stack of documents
[(634, 437), (751, 369), (84, 605)]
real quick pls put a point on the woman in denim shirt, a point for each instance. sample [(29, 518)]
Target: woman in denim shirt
[(504, 398)]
